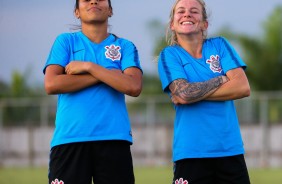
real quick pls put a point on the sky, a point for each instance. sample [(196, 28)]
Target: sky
[(29, 28)]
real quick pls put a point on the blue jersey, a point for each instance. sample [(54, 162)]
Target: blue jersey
[(99, 111), (205, 128)]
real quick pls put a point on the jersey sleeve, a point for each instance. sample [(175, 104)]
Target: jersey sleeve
[(60, 52), (170, 67), (230, 59), (130, 56)]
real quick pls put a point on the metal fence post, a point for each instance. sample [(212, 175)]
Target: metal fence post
[(44, 113), (150, 126), (264, 157), (1, 129)]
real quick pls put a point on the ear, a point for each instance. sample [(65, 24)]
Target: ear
[(171, 26), (77, 14), (110, 13), (206, 25)]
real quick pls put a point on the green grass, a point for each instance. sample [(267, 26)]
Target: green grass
[(148, 175), (153, 175), (266, 176), (23, 176)]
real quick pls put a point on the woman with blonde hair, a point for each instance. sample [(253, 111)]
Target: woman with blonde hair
[(203, 76)]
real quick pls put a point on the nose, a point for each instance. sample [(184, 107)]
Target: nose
[(94, 1), (187, 14)]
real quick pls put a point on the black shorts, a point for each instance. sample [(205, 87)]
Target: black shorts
[(103, 162), (223, 170)]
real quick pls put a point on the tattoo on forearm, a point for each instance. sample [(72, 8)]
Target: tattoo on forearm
[(194, 91)]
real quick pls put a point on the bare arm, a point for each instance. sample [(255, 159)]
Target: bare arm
[(128, 82), (237, 87), (57, 82), (184, 92)]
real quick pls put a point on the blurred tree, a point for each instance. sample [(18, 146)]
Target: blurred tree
[(263, 54), (18, 113), (4, 88), (18, 85), (151, 85), (158, 31)]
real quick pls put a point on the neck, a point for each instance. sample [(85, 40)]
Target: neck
[(192, 44), (96, 33)]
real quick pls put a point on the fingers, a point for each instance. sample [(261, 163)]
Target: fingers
[(68, 70), (174, 100), (73, 68), (225, 79)]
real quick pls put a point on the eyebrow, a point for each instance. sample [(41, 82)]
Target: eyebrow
[(193, 8)]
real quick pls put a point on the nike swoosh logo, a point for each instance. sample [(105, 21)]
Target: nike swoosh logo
[(77, 51)]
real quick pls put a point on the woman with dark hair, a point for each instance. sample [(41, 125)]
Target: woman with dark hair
[(91, 71), (203, 76)]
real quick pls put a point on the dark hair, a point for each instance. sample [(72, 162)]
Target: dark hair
[(78, 27), (77, 4)]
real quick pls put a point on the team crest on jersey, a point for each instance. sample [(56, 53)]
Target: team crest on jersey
[(113, 52), (57, 182), (180, 181), (214, 64)]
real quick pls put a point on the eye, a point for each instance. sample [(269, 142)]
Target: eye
[(180, 12), (194, 11)]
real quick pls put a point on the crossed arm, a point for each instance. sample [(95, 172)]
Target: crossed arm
[(78, 75), (232, 86)]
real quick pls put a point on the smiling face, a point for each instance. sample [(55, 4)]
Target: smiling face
[(188, 17), (93, 11)]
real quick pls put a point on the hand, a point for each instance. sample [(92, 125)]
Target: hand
[(176, 100), (77, 67), (224, 79)]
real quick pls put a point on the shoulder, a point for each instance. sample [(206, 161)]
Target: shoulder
[(68, 36), (123, 41), (65, 35), (169, 53), (172, 51), (125, 45), (215, 40), (72, 40), (169, 49)]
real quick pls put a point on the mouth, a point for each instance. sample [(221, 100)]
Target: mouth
[(94, 9), (187, 23)]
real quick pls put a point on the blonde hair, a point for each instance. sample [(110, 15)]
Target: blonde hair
[(171, 37)]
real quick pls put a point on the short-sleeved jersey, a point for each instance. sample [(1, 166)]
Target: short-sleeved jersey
[(205, 128), (99, 111)]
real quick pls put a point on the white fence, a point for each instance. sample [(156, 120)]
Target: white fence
[(152, 146), (27, 142)]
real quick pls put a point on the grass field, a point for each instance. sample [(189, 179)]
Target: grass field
[(142, 175)]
